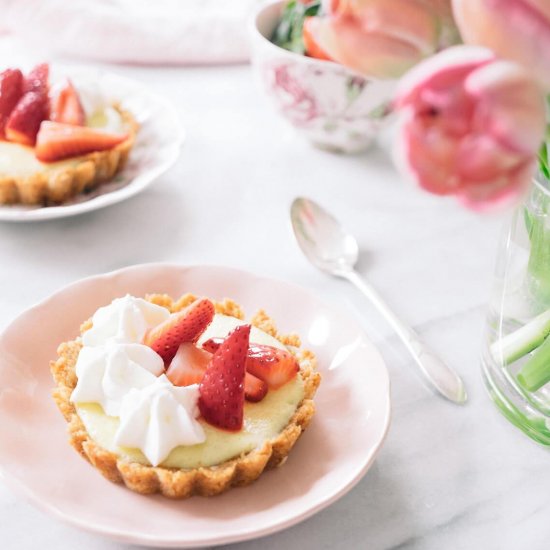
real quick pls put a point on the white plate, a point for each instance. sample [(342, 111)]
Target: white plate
[(348, 429), (157, 147)]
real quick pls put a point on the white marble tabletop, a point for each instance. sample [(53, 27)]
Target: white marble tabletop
[(448, 477)]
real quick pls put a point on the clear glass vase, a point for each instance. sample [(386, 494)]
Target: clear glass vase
[(516, 356)]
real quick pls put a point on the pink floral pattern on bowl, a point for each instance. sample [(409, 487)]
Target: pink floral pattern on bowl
[(295, 102), (329, 104)]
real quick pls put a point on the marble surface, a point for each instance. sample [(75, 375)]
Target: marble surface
[(448, 477)]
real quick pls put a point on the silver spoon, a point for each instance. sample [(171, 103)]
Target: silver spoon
[(329, 247)]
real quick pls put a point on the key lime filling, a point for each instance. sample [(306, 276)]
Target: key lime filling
[(262, 421)]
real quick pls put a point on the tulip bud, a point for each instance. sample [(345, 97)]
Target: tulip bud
[(378, 38), (471, 126)]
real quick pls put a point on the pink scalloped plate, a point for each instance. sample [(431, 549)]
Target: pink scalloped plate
[(352, 419)]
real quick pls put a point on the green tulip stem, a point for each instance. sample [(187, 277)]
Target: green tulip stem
[(515, 345), (536, 372)]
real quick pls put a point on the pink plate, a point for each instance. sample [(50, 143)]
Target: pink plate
[(353, 414)]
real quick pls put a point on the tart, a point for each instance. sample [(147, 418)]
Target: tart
[(51, 148), (216, 401)]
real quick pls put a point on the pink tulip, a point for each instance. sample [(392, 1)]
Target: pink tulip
[(378, 38), (514, 29), (471, 126)]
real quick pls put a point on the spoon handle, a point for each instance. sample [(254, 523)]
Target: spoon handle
[(440, 376)]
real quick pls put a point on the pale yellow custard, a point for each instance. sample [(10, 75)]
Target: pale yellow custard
[(20, 161), (262, 420)]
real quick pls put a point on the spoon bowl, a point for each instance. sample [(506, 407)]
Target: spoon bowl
[(325, 243)]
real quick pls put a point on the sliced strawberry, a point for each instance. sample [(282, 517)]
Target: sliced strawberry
[(254, 388), (188, 365), (221, 392), (11, 89), (56, 141), (274, 366), (66, 106), (310, 44), (185, 326), (25, 119), (37, 79), (212, 344)]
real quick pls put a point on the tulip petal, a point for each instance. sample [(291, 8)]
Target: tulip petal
[(542, 6), (379, 38), (514, 29), (500, 193), (409, 21), (428, 157), (440, 71), (511, 107), (373, 55), (480, 158)]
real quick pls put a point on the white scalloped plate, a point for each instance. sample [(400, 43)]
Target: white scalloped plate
[(352, 419), (157, 147)]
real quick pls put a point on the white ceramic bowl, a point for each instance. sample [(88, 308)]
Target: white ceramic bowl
[(332, 106)]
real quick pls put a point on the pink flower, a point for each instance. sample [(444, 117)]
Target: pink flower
[(471, 126), (378, 38), (514, 29)]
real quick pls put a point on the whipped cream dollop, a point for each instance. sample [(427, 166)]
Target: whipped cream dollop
[(125, 320), (159, 417), (90, 93), (107, 373), (98, 107)]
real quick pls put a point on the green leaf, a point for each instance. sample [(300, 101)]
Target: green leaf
[(538, 228), (288, 32), (543, 159)]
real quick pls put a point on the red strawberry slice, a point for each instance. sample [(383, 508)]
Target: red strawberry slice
[(37, 79), (274, 366), (254, 388), (221, 392), (25, 119), (212, 344), (189, 365), (66, 106), (185, 326), (56, 141), (11, 89)]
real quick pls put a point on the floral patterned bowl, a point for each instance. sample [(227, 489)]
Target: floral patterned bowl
[(332, 106)]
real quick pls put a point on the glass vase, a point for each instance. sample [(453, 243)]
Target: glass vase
[(516, 355)]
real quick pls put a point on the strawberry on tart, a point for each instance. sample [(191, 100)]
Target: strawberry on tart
[(51, 149), (183, 397)]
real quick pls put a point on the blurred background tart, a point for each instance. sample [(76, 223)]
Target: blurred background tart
[(54, 145)]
